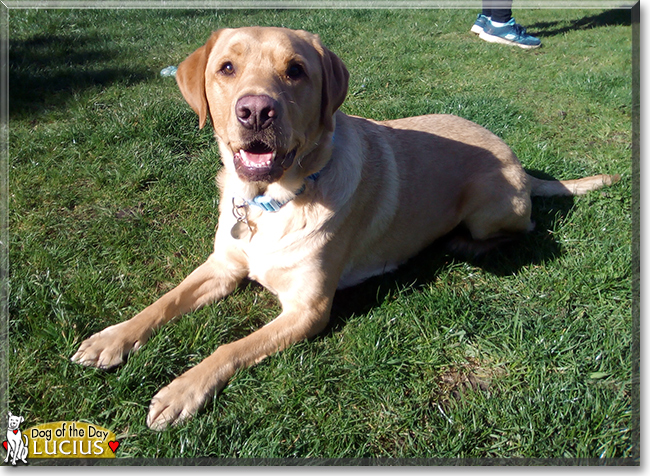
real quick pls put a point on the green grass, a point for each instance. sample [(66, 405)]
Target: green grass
[(523, 354)]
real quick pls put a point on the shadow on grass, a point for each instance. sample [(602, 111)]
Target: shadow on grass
[(537, 247), (621, 17), (46, 71)]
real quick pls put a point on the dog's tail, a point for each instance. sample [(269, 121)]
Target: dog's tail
[(550, 188)]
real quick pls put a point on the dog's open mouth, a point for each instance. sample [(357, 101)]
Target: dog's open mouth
[(257, 156), (258, 162)]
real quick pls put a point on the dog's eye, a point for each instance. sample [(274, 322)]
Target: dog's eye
[(295, 71), (227, 68)]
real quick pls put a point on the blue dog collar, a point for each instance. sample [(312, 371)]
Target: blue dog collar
[(269, 204)]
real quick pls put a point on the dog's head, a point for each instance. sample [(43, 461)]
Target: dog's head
[(270, 93), (14, 421)]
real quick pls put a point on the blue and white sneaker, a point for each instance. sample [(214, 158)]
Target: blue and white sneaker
[(509, 34), (479, 24)]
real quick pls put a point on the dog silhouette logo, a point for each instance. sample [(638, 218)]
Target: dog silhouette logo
[(16, 442)]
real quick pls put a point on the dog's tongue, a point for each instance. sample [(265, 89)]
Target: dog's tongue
[(257, 159)]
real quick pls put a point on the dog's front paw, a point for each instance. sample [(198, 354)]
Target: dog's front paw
[(179, 400), (109, 347)]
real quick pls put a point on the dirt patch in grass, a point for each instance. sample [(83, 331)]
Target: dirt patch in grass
[(470, 376)]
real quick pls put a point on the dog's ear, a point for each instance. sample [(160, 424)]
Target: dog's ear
[(335, 83), (21, 420), (190, 77)]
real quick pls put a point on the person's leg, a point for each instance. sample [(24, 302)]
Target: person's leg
[(499, 10), (500, 15)]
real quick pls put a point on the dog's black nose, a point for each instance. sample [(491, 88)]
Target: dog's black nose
[(256, 112)]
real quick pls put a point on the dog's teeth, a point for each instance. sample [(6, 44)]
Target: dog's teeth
[(257, 160)]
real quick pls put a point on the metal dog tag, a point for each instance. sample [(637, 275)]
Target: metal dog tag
[(242, 228), (239, 230)]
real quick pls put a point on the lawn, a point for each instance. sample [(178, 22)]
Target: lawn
[(525, 353)]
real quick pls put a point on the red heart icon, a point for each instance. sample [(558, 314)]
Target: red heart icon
[(15, 431), (4, 443), (114, 445)]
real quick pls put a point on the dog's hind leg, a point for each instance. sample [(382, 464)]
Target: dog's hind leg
[(214, 279), (461, 244)]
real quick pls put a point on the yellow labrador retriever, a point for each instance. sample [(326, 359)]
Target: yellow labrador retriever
[(313, 200)]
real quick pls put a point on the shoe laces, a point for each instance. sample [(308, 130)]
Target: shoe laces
[(518, 29)]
